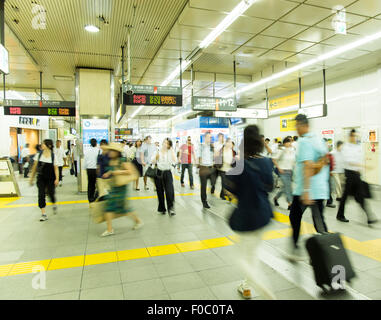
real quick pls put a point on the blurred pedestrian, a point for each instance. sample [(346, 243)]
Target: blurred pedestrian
[(74, 159), (90, 165), (45, 166), (60, 156), (285, 162), (164, 159), (338, 170), (102, 165), (206, 168), (25, 156), (218, 162), (228, 160), (311, 181), (253, 211), (187, 157), (116, 200), (147, 151), (136, 162), (353, 164)]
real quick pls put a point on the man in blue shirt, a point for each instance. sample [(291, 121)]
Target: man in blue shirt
[(311, 177)]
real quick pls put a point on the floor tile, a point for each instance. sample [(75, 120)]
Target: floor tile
[(183, 282), (61, 296), (103, 293), (221, 275), (141, 290), (139, 274), (102, 279), (194, 294), (228, 291), (173, 268)]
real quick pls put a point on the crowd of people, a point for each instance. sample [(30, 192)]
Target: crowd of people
[(309, 174)]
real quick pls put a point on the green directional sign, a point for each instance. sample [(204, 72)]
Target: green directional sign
[(213, 104)]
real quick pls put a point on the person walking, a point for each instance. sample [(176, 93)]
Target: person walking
[(218, 162), (338, 170), (311, 182), (25, 157), (253, 212), (148, 149), (45, 166), (74, 159), (60, 156), (228, 160), (284, 162), (187, 157), (164, 159), (136, 162), (177, 153), (90, 165), (353, 164), (102, 165), (116, 200), (206, 169)]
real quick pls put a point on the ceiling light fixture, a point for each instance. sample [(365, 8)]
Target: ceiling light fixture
[(229, 19), (179, 115), (136, 112), (91, 28), (308, 63), (63, 78)]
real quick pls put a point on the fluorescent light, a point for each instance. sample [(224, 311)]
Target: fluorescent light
[(308, 63), (63, 78), (136, 112), (229, 19), (91, 28), (179, 115)]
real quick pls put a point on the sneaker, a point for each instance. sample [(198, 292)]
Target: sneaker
[(138, 225), (244, 290), (44, 217), (146, 188), (162, 212), (107, 233), (276, 203), (60, 183), (206, 205), (172, 212), (55, 209)]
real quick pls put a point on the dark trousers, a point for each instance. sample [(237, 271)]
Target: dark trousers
[(164, 187), (60, 173), (206, 173), (91, 183), (352, 187), (296, 214), (75, 168), (222, 174), (44, 186), (189, 167)]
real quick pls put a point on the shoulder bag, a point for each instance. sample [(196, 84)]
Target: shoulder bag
[(122, 180)]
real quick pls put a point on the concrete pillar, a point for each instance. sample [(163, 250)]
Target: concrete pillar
[(94, 99)]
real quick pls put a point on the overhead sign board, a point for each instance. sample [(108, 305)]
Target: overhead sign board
[(38, 103), (317, 111), (213, 104), (243, 113), (37, 111), (148, 89), (123, 131), (4, 60)]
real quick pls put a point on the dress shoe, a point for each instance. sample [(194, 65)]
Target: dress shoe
[(372, 221), (342, 219), (330, 205), (206, 205)]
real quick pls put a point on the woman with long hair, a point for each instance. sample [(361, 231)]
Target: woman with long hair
[(250, 182), (164, 159), (136, 162), (116, 202), (45, 166)]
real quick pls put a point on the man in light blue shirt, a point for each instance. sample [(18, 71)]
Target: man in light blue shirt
[(311, 177)]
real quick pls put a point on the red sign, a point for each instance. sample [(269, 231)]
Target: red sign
[(327, 132), (15, 110)]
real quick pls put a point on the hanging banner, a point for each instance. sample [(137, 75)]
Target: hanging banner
[(287, 122), (213, 104), (285, 102)]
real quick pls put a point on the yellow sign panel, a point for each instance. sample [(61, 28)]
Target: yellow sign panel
[(284, 102), (287, 122)]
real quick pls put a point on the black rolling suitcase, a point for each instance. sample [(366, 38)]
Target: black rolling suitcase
[(328, 258)]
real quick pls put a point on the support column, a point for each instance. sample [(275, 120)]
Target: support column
[(94, 102)]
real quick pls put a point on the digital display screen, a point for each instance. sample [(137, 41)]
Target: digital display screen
[(213, 104), (154, 100), (37, 111)]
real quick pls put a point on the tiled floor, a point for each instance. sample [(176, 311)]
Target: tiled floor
[(206, 274)]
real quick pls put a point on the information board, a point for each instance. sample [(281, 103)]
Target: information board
[(213, 104), (243, 113), (39, 111), (153, 100)]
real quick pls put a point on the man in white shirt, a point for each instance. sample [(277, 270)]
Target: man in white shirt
[(126, 149), (353, 164), (90, 164), (147, 151), (338, 170), (74, 158), (25, 159), (60, 157)]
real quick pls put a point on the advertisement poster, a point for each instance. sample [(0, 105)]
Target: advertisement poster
[(372, 135), (329, 134), (285, 102), (287, 122), (94, 128)]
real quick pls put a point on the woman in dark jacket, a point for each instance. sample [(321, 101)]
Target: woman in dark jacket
[(250, 181)]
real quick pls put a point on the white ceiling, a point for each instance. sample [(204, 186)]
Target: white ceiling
[(270, 36)]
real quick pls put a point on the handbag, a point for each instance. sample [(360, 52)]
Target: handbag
[(151, 172), (366, 190), (124, 179)]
